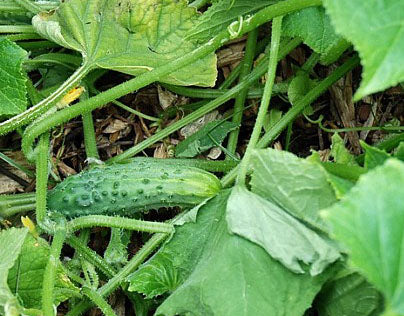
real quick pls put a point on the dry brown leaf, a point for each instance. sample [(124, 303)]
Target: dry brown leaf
[(115, 126)]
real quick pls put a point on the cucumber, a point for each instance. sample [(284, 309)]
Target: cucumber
[(131, 188)]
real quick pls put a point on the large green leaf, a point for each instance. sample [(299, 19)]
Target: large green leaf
[(376, 29), (350, 295), (11, 241), (266, 224), (221, 14), (26, 276), (369, 222), (298, 186), (129, 36), (314, 27), (223, 274), (13, 93)]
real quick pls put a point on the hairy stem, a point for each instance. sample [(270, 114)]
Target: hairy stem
[(42, 178), (91, 256), (34, 112), (90, 141), (21, 37), (29, 5), (97, 299), (118, 222), (129, 109), (261, 17), (32, 132), (241, 97), (206, 93), (249, 80), (16, 29), (296, 110), (272, 65), (114, 282), (50, 272)]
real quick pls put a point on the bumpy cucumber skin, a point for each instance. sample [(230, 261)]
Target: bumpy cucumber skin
[(131, 188)]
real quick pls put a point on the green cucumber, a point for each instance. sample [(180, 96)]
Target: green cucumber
[(131, 188)]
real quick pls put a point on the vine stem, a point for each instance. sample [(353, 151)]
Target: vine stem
[(206, 93), (266, 98), (296, 110), (241, 97), (91, 256), (127, 108), (50, 271), (16, 29), (114, 282), (242, 27), (29, 5), (90, 142), (41, 126), (21, 37), (118, 222), (97, 299), (42, 178), (40, 108)]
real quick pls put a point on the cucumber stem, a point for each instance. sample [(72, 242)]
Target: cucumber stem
[(50, 272), (118, 222), (242, 96), (98, 300), (259, 18), (43, 106), (120, 277), (296, 110), (263, 109), (42, 178), (249, 80)]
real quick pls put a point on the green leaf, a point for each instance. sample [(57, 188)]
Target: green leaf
[(369, 222), (266, 224), (208, 136), (298, 87), (225, 274), (11, 241), (161, 276), (375, 27), (399, 152), (13, 93), (221, 14), (26, 276), (373, 156), (340, 153), (350, 295), (314, 27), (298, 186), (340, 185), (129, 36)]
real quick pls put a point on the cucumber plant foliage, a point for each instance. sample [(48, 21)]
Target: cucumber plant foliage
[(129, 36), (278, 234)]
